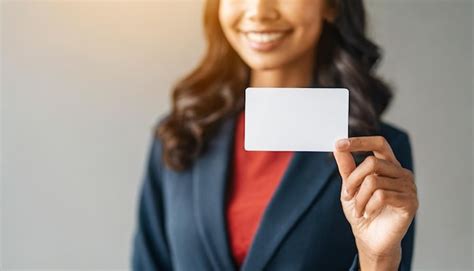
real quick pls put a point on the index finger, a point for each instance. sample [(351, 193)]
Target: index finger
[(345, 163), (376, 144)]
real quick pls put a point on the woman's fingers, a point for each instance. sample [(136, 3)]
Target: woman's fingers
[(382, 198), (376, 144), (371, 184), (345, 163), (371, 165)]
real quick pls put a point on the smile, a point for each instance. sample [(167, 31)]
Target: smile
[(264, 41), (263, 37)]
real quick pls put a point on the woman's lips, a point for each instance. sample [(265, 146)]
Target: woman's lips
[(264, 41)]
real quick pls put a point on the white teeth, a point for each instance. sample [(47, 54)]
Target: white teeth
[(264, 37)]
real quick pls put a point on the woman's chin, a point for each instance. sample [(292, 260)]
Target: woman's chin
[(265, 64)]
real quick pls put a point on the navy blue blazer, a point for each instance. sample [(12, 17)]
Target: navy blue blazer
[(181, 219)]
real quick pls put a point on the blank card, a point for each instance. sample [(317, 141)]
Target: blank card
[(295, 119)]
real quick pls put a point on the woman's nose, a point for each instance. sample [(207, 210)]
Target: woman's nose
[(262, 10)]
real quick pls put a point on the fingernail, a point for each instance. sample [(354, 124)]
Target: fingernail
[(342, 143), (366, 216)]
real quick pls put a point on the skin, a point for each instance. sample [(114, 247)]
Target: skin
[(381, 198), (291, 64)]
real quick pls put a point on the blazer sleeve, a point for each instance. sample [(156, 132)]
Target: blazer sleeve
[(150, 244), (402, 150)]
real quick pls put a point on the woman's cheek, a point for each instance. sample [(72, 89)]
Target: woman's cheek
[(228, 18), (228, 13)]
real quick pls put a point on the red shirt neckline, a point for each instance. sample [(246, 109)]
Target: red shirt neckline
[(254, 179)]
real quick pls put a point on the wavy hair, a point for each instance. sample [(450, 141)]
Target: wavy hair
[(345, 57)]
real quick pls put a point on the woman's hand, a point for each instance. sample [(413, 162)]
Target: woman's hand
[(379, 200)]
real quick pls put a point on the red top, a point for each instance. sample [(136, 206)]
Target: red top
[(256, 175)]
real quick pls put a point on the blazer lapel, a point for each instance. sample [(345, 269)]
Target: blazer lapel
[(209, 179), (305, 177)]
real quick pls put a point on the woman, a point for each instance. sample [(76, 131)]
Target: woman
[(206, 204)]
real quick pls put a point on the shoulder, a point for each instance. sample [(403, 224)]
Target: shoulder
[(399, 141), (155, 149), (155, 140), (393, 133)]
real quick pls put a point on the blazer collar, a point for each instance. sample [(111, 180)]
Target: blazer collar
[(305, 177)]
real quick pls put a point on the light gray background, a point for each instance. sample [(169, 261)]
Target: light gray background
[(83, 82)]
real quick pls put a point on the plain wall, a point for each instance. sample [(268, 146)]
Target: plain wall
[(83, 83)]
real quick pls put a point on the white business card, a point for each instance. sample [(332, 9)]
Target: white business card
[(295, 119)]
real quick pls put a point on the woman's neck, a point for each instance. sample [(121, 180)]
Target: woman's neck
[(297, 74)]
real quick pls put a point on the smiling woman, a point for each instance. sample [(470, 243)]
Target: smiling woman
[(322, 42), (207, 204), (269, 35)]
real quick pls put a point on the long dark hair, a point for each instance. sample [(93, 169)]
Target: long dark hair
[(345, 57)]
